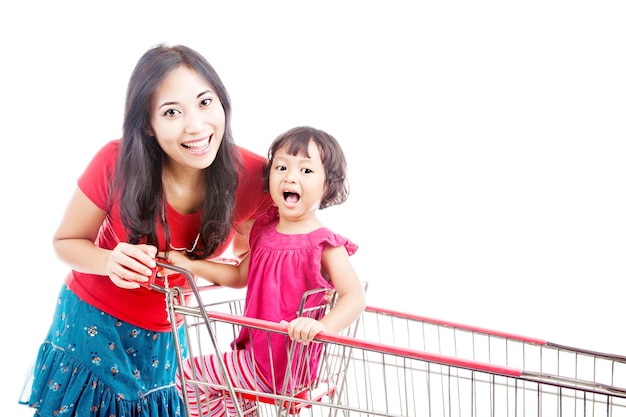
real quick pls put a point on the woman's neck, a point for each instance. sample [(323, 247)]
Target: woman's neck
[(184, 189)]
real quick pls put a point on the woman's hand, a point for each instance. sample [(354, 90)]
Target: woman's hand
[(303, 329), (128, 265)]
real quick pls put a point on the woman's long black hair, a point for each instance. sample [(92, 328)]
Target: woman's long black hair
[(138, 180)]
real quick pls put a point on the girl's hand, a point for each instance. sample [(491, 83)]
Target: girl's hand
[(329, 295), (303, 329), (128, 265), (173, 258)]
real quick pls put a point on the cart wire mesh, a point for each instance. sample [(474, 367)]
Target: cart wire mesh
[(392, 363)]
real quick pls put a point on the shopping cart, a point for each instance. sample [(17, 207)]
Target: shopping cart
[(392, 363)]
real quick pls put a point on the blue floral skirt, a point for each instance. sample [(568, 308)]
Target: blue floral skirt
[(92, 364)]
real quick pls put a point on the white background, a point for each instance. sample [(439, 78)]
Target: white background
[(485, 141)]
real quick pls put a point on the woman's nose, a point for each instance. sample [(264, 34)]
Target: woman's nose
[(193, 122)]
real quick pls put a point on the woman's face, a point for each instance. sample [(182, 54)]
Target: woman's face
[(187, 119)]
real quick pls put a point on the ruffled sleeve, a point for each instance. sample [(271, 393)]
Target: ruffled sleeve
[(326, 237)]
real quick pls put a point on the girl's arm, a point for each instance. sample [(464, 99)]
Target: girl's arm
[(73, 242), (228, 275), (350, 292), (350, 301)]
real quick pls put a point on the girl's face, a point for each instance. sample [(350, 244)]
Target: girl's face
[(187, 119), (297, 183)]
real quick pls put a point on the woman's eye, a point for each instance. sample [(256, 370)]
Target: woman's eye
[(171, 112), (205, 102)]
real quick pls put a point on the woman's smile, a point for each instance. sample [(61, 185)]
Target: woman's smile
[(200, 146)]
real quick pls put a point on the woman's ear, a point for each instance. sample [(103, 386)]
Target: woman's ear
[(149, 132)]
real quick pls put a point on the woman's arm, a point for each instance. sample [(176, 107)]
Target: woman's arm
[(73, 242)]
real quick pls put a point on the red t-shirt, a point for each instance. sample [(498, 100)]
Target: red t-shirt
[(143, 307)]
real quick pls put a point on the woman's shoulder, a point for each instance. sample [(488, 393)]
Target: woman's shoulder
[(250, 158), (108, 151), (111, 146), (268, 217), (95, 179), (106, 156), (252, 198), (252, 167)]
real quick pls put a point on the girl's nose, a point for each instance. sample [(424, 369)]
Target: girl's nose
[(290, 177)]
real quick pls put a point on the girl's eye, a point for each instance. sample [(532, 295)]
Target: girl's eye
[(307, 170), (171, 112), (280, 168), (205, 102)]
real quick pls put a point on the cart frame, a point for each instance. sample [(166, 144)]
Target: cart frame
[(398, 364)]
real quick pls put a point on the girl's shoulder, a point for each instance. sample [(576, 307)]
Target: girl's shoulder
[(324, 237)]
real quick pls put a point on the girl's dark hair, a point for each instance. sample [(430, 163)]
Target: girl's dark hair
[(297, 140), (138, 175)]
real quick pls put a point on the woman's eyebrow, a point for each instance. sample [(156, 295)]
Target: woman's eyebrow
[(169, 103), (204, 92)]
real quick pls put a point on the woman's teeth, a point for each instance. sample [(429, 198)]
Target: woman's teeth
[(198, 145)]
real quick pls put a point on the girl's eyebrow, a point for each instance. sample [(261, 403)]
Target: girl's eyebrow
[(299, 156)]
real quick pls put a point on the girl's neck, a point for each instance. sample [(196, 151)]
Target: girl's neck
[(290, 226)]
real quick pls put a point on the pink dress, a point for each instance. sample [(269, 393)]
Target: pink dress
[(282, 268)]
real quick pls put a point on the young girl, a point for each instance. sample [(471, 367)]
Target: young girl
[(175, 181), (290, 252)]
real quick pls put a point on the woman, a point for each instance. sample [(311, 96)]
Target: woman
[(175, 181)]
